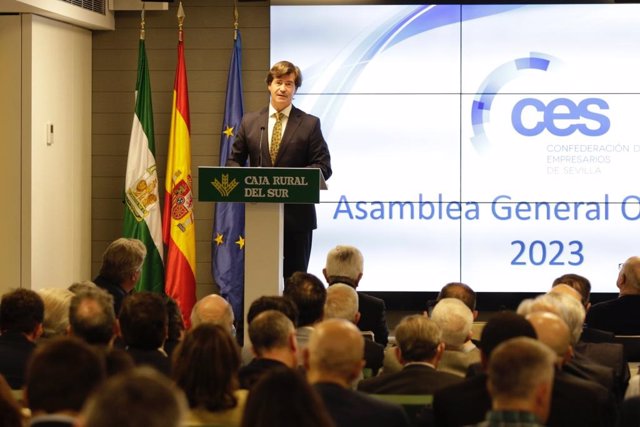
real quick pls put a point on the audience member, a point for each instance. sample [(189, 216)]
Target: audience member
[(213, 309), (620, 315), (455, 319), (121, 268), (461, 291), (575, 401), (267, 404), (175, 325), (309, 295), (21, 316), (205, 367), (142, 397), (264, 303), (334, 360), (571, 312), (61, 375), (342, 303), (597, 347), (10, 409), (273, 337), (468, 402), (273, 302), (520, 380), (56, 312), (143, 323), (92, 317), (345, 264), (420, 348)]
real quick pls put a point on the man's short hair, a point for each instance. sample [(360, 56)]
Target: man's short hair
[(501, 327), (21, 310), (61, 374), (270, 329), (454, 319), (309, 295), (418, 338), (459, 291), (517, 366), (577, 282), (275, 302), (56, 311), (283, 68), (344, 263), (143, 320), (122, 258), (141, 397), (342, 302), (92, 317)]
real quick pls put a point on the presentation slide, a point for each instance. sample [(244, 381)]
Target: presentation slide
[(493, 145)]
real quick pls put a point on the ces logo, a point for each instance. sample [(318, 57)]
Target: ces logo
[(531, 116), (561, 117)]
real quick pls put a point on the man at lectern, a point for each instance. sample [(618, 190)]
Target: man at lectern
[(282, 135)]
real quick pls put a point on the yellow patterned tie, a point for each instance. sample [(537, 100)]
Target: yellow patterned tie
[(276, 136)]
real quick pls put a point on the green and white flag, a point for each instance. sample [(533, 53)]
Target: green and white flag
[(142, 211)]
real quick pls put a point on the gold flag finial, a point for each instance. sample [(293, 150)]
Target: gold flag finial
[(180, 16), (235, 19), (142, 22)]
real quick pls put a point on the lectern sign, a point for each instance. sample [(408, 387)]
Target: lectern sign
[(261, 185)]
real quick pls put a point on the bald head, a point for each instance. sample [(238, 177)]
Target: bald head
[(342, 303), (335, 351), (629, 277), (552, 331), (212, 309)]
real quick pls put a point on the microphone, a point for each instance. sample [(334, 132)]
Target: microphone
[(260, 146)]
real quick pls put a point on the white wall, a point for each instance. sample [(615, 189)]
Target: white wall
[(45, 222), (10, 224), (60, 93)]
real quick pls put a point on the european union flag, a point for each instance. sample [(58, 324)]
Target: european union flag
[(227, 246)]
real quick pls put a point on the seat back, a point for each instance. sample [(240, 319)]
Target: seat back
[(416, 406), (631, 344)]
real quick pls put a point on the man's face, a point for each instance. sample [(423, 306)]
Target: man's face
[(282, 90)]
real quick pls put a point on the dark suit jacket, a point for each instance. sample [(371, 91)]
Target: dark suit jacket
[(373, 356), (350, 408), (619, 316), (252, 372), (574, 402), (607, 354), (630, 412), (153, 358), (302, 146), (412, 379), (15, 350), (372, 317)]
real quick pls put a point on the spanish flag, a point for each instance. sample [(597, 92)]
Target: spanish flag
[(178, 222)]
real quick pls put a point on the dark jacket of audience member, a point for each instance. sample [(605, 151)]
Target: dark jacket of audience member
[(21, 316)]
